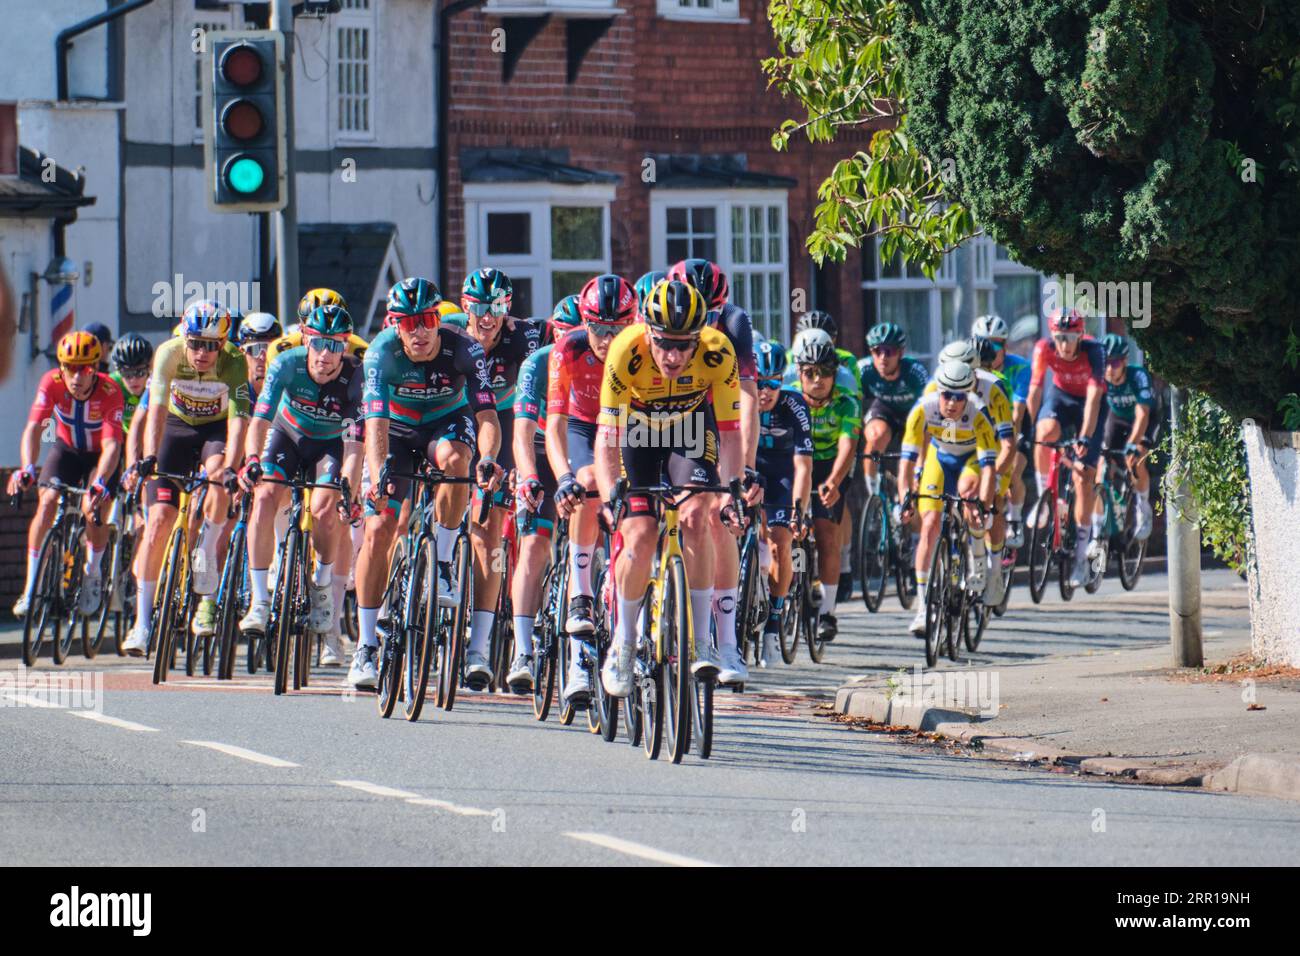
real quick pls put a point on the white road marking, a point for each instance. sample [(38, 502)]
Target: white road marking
[(378, 790), (113, 721), (450, 807), (250, 755), (637, 849)]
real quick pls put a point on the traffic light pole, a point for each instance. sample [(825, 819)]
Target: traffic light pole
[(286, 219)]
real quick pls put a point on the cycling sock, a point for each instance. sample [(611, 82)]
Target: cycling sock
[(1042, 483), (701, 611), (480, 631), (628, 614), (846, 559), (724, 607), (575, 651), (1013, 511), (580, 568), (1098, 525), (446, 543), (322, 576), (977, 544), (261, 588), (339, 586), (1081, 548), (208, 535), (144, 603), (1141, 495), (523, 634), (32, 558), (873, 484), (92, 559), (828, 597), (367, 622), (764, 556), (778, 602)]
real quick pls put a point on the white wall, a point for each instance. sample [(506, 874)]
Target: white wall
[(27, 49), (1274, 462), (25, 247)]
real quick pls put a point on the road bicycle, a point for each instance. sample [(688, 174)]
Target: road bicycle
[(234, 597), (801, 613), (754, 598), (503, 562), (175, 601), (119, 583), (1052, 528), (54, 603), (549, 638), (1119, 499), (884, 547), (954, 612)]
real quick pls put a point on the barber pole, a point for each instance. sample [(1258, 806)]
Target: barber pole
[(62, 313)]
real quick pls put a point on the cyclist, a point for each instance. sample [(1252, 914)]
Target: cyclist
[(198, 410), (644, 285), (311, 399), (990, 334), (1072, 399), (257, 333), (675, 379), (85, 407), (105, 335), (785, 449), (534, 493), (428, 397), (130, 361), (836, 425), (989, 389), (891, 385), (734, 322), (820, 319), (606, 305), (1133, 425), (963, 451)]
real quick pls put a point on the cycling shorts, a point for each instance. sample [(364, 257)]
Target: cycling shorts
[(1118, 430), (286, 456), (778, 493), (71, 467), (821, 471), (676, 466), (941, 474), (1068, 410), (883, 411), (409, 446), (182, 449)]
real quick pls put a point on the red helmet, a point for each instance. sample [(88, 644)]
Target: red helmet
[(706, 277), (608, 300), (1060, 320)]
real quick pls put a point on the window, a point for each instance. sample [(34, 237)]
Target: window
[(928, 310), (700, 9), (1018, 299), (549, 239), (353, 70), (743, 231)]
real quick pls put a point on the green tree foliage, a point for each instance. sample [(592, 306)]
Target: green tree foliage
[(1115, 140)]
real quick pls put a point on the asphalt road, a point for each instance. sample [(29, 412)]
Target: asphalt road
[(198, 774)]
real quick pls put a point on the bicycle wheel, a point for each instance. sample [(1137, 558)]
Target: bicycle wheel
[(812, 632), (790, 616), (633, 716), (904, 562), (166, 604), (391, 630), (650, 680), (873, 556), (502, 639), (420, 640), (936, 600), (42, 611), (282, 610), (674, 645), (606, 707), (1065, 563), (1041, 547), (958, 597), (1008, 570), (231, 595), (93, 636), (747, 596), (454, 647), (702, 732), (126, 593), (1099, 565), (1132, 551), (70, 595)]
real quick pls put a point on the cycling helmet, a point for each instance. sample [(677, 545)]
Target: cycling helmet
[(328, 320), (102, 332), (813, 347), (706, 277), (608, 300), (1065, 321), (1116, 347), (315, 298), (818, 319), (675, 307), (771, 360), (446, 307), (131, 351), (886, 333), (954, 376), (79, 348), (205, 320), (988, 351), (487, 285), (645, 284), (259, 327), (412, 296), (566, 316), (962, 350), (990, 327)]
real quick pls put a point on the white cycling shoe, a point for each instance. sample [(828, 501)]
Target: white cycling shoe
[(321, 617), (1142, 521), (733, 669), (255, 620), (448, 593), (917, 626), (995, 586), (616, 675), (137, 644), (22, 604), (363, 672), (577, 683), (520, 678), (331, 654), (706, 659)]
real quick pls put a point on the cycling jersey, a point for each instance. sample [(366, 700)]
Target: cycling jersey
[(973, 432), (129, 402), (734, 322), (415, 393), (989, 389), (849, 362), (299, 404), (633, 381), (1135, 390), (198, 398), (511, 348), (785, 431), (82, 425), (356, 345), (840, 415), (574, 378), (899, 393), (1015, 374), (1088, 367)]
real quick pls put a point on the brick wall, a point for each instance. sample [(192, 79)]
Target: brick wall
[(13, 545)]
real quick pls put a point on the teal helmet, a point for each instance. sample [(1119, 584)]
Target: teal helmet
[(566, 316), (645, 284), (487, 285), (886, 333), (328, 320), (412, 296), (1116, 347)]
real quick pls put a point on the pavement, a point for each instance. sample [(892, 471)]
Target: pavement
[(201, 772)]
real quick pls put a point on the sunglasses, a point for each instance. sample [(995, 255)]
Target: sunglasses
[(203, 345), (1117, 362), (323, 343), (480, 309), (421, 320), (674, 345), (142, 372), (817, 371), (993, 343), (602, 331), (773, 384), (71, 370), (886, 351), (255, 349), (1066, 338), (953, 396)]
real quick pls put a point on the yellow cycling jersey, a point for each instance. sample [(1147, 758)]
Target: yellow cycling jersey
[(958, 438), (989, 388), (356, 345), (633, 381)]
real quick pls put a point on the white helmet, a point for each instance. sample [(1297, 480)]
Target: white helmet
[(813, 347), (990, 327), (962, 350), (955, 376)]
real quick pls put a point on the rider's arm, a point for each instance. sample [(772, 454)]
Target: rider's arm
[(1091, 410), (850, 428), (614, 398), (1038, 372), (525, 457), (165, 361), (374, 400), (727, 411), (913, 443), (986, 453), (112, 447), (803, 481), (749, 421)]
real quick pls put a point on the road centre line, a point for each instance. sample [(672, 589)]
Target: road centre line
[(243, 754), (113, 721), (637, 850)]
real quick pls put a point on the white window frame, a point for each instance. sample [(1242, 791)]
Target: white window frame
[(719, 11), (1004, 265), (353, 18), (536, 199), (722, 201), (944, 282)]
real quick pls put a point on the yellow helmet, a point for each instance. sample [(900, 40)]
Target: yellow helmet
[(79, 348), (446, 307), (675, 308), (315, 298)]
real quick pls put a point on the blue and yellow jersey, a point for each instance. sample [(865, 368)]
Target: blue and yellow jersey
[(959, 438)]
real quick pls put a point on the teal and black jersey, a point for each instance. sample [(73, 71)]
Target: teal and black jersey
[(1135, 390), (294, 401), (419, 393), (900, 393), (507, 355), (530, 391)]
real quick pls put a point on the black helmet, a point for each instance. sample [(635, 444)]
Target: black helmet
[(132, 350)]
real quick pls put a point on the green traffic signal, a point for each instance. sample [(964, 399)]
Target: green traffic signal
[(245, 175)]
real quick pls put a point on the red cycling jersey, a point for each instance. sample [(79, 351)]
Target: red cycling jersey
[(573, 381), (1088, 367), (81, 425)]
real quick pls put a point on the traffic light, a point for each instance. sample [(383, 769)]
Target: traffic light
[(244, 143)]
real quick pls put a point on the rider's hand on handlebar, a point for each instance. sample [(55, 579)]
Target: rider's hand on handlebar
[(755, 485), (145, 466), (829, 493), (489, 474), (568, 492), (529, 493), (1080, 448), (251, 473), (22, 479)]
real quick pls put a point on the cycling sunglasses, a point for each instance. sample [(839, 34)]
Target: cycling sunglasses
[(141, 372), (1066, 338), (203, 345), (817, 371), (255, 349), (886, 351), (1117, 362), (996, 345), (323, 343), (953, 396), (674, 345), (603, 331), (769, 383), (480, 309), (421, 320), (71, 370)]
